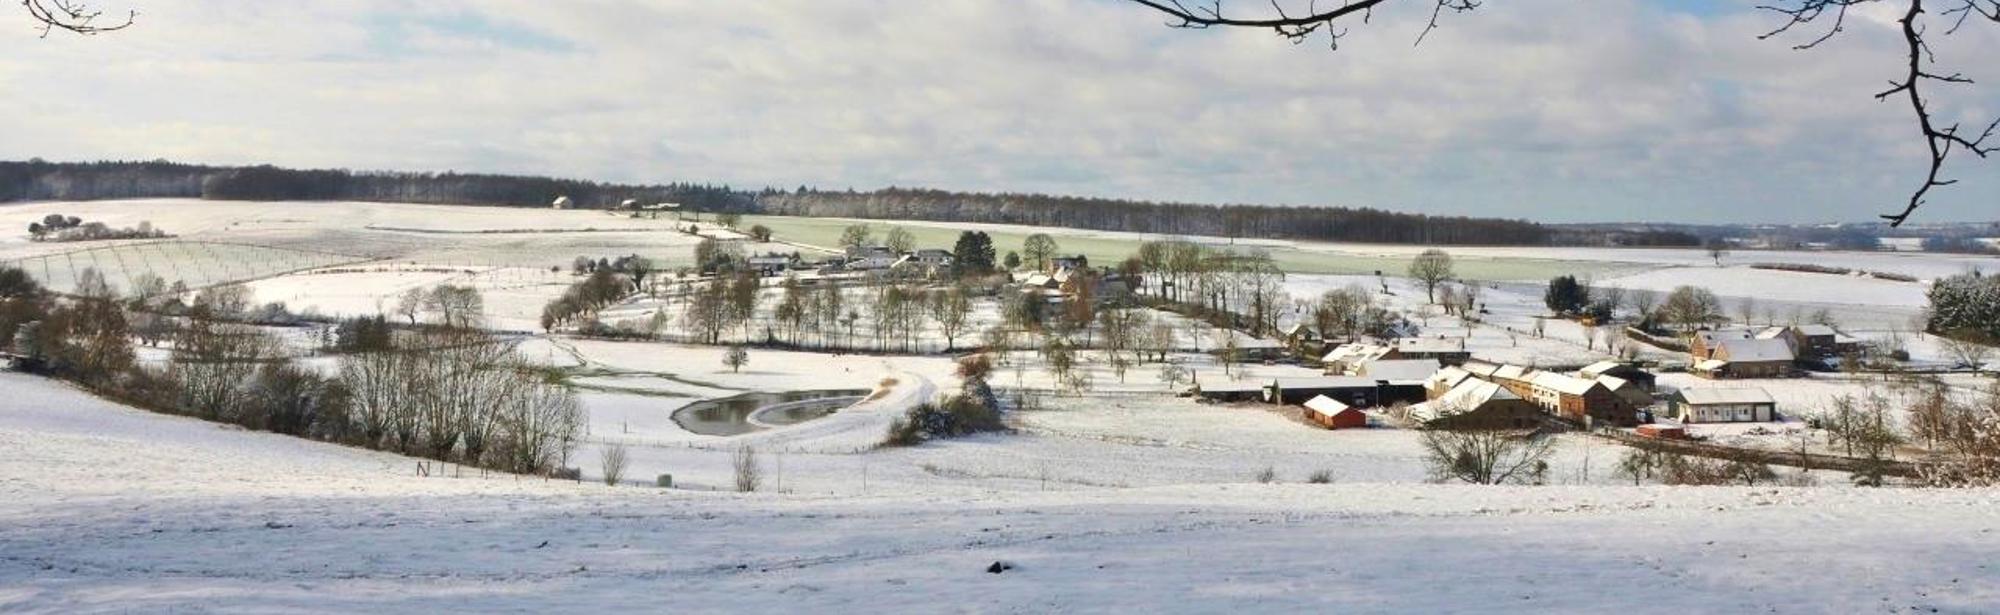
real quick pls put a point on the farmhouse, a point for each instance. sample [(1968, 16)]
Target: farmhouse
[(1623, 371), (1351, 390), (933, 257), (1301, 337), (1332, 414), (769, 264), (1445, 380), (871, 258), (1723, 405), (1446, 351), (1576, 399), (1230, 391), (1345, 358), (1402, 370), (1703, 344), (1807, 341), (1477, 404), (1746, 358), (1515, 378), (1627, 390), (561, 202)]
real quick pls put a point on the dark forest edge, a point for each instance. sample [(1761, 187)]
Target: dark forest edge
[(38, 180)]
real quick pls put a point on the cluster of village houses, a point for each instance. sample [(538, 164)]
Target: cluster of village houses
[(1437, 383)]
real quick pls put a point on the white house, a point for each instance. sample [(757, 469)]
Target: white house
[(1723, 405)]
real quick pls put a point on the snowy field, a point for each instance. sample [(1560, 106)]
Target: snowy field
[(1122, 499), (109, 509)]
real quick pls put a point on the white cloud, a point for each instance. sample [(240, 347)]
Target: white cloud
[(1549, 109)]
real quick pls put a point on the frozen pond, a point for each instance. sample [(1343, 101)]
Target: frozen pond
[(750, 412)]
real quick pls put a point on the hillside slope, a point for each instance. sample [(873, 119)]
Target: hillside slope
[(104, 508)]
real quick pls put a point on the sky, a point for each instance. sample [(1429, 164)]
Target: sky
[(1551, 110)]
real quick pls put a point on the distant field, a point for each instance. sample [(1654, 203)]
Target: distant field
[(1108, 248), (196, 263)]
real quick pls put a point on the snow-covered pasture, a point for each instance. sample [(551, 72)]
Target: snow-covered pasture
[(197, 264), (111, 509), (513, 297)]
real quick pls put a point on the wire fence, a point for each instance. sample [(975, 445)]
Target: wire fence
[(197, 264)]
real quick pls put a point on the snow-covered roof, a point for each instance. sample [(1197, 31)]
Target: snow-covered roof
[(1399, 369), (1233, 387), (1245, 341), (1447, 378), (1599, 368), (1512, 372), (1430, 344), (1613, 382), (1324, 405), (1563, 383), (1481, 368), (1710, 365), (1817, 331), (1703, 396), (1756, 350), (1324, 382), (1465, 397), (1355, 352), (1714, 336)]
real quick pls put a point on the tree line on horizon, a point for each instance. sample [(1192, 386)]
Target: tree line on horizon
[(41, 180)]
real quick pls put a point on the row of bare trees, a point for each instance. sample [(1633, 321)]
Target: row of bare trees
[(462, 396), (446, 392)]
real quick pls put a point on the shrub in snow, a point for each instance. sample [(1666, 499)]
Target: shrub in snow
[(614, 460), (748, 475)]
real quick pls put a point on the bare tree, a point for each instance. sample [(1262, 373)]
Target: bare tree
[(1431, 268), (1690, 307), (1941, 139), (410, 304), (72, 16), (1487, 457), (952, 310), (749, 475), (1294, 27), (1038, 249), (614, 459), (900, 240), (1967, 348), (736, 358)]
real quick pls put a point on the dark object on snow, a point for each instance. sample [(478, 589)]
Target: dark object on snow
[(999, 567), (665, 481), (575, 474)]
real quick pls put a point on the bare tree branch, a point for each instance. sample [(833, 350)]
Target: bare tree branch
[(1295, 28), (1942, 141), (72, 16)]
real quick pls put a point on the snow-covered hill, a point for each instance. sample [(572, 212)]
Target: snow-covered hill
[(104, 508)]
